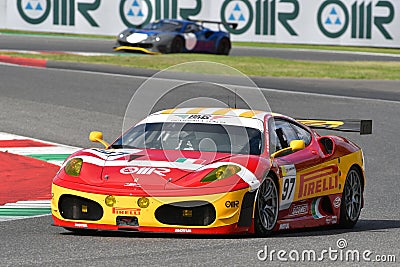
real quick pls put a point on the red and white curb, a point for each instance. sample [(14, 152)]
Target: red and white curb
[(76, 53), (28, 166), (40, 63), (25, 146)]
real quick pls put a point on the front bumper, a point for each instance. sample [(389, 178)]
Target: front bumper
[(205, 214), (143, 47), (135, 49)]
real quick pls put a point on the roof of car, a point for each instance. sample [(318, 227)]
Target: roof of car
[(244, 113)]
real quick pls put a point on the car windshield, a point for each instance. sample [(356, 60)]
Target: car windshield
[(193, 136), (166, 26)]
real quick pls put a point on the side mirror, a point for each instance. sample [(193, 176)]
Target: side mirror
[(295, 145), (98, 137)]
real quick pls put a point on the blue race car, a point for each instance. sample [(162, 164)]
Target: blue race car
[(175, 36)]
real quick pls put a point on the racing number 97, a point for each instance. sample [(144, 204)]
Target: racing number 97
[(288, 188)]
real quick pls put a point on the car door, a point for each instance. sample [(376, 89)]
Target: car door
[(303, 174), (197, 38)]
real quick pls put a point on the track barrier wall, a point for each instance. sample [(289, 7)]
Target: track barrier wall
[(372, 23)]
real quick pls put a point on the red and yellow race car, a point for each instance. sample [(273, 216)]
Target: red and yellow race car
[(214, 171)]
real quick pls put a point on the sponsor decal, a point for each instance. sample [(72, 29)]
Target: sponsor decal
[(81, 225), (328, 220), (315, 208), (331, 219), (144, 170), (232, 204), (111, 154), (183, 230), (132, 185), (301, 209), (199, 117), (315, 182), (126, 211), (190, 161), (284, 226), (337, 202)]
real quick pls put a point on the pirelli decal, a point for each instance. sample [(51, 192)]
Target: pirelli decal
[(318, 182), (126, 211)]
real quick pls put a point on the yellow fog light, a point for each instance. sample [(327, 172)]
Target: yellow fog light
[(143, 202), (110, 201)]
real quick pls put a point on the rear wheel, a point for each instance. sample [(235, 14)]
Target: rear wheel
[(267, 207), (177, 45), (350, 208), (224, 47)]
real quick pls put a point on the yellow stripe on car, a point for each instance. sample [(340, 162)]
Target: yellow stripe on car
[(140, 49)]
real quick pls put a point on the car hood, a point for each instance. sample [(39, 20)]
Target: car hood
[(156, 169)]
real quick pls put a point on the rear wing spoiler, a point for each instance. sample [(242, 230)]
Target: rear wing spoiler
[(356, 126), (201, 22)]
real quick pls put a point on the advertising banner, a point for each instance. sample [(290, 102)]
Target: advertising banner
[(334, 22)]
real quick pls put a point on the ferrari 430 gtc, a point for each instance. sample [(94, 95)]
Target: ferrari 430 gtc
[(174, 36), (214, 171)]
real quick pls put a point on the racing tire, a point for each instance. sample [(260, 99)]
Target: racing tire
[(177, 45), (224, 47), (267, 207), (351, 204)]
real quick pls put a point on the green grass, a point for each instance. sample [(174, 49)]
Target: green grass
[(322, 47), (252, 66), (248, 44)]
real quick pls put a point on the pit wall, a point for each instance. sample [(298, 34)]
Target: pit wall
[(373, 23)]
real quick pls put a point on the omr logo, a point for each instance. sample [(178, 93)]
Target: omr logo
[(64, 11), (236, 15), (135, 12), (334, 17), (267, 15), (29, 7), (239, 12), (34, 11)]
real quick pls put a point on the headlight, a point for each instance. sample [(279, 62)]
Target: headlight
[(155, 38), (221, 172), (73, 167)]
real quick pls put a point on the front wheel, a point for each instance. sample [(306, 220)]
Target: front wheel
[(177, 45), (267, 207), (350, 208)]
